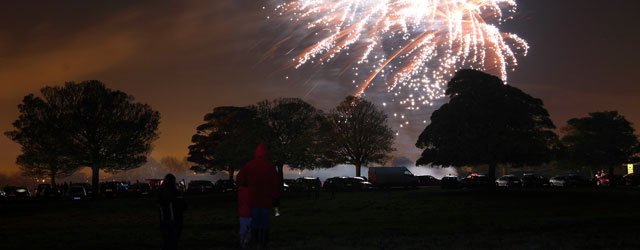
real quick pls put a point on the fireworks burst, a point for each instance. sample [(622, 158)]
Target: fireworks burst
[(412, 46)]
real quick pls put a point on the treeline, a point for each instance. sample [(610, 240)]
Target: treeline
[(296, 134), (89, 125), (484, 122), (489, 123)]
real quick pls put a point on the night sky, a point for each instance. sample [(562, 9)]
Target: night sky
[(186, 57)]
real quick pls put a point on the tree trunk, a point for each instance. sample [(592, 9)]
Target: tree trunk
[(95, 180), (492, 176), (53, 180), (281, 175), (53, 171), (358, 168)]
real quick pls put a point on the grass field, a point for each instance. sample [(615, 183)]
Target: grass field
[(394, 219)]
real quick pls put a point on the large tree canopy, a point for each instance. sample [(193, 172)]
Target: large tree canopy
[(487, 122), (100, 128), (41, 135), (601, 140), (361, 134), (294, 131), (226, 140)]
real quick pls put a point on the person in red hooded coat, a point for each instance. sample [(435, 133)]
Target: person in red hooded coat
[(261, 178)]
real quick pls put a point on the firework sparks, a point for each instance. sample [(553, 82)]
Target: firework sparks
[(412, 46)]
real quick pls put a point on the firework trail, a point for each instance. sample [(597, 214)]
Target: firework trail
[(412, 46)]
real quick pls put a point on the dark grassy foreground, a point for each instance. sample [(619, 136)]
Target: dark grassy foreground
[(396, 219)]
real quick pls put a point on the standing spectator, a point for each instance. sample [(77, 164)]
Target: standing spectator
[(65, 186), (260, 176), (244, 211), (172, 207)]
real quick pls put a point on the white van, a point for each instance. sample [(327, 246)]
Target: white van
[(392, 177)]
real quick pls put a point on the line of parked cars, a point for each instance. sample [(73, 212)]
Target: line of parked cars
[(530, 180), (379, 178), (208, 187), (385, 177), (526, 181), (76, 191), (475, 180)]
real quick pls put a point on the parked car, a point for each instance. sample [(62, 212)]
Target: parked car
[(475, 180), (579, 181), (362, 183), (154, 183), (304, 184), (40, 189), (631, 179), (558, 181), (329, 184), (346, 183), (87, 188), (13, 192), (77, 192), (310, 183), (569, 181), (224, 186), (450, 182), (427, 180), (392, 177), (334, 184), (140, 189), (200, 187), (509, 181), (534, 181), (113, 188), (287, 184), (47, 191)]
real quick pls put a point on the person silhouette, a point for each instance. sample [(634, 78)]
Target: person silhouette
[(262, 180), (172, 207)]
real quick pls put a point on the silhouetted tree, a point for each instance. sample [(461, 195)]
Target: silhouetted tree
[(601, 140), (360, 133), (226, 140), (101, 128), (487, 122), (40, 132), (43, 164), (295, 133)]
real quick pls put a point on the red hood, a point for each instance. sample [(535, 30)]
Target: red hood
[(261, 152)]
